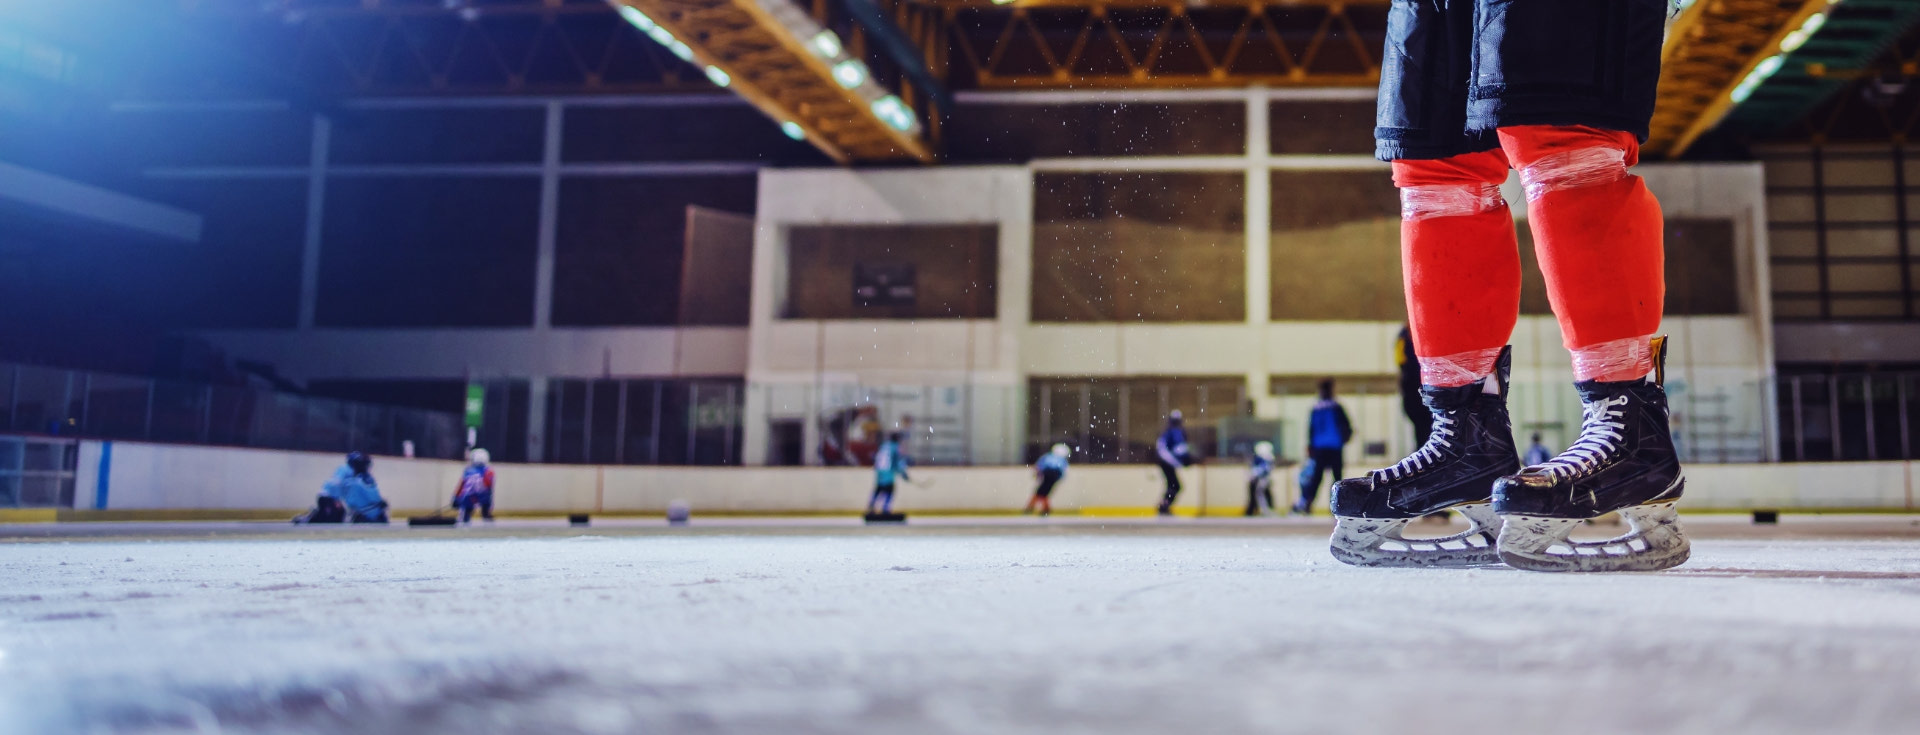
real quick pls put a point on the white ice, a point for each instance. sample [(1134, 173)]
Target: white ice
[(961, 630)]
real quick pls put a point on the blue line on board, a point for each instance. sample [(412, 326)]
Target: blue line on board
[(106, 470)]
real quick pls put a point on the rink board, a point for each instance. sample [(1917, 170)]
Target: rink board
[(178, 479)]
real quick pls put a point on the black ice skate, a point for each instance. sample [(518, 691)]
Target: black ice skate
[(1624, 460), (1471, 447)]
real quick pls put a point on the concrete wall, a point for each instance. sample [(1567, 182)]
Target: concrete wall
[(145, 477)]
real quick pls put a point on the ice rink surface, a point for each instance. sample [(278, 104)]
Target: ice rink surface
[(940, 627)]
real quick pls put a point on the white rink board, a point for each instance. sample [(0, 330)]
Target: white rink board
[(145, 476)]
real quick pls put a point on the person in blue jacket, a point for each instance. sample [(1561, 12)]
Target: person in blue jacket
[(1050, 469), (888, 463), (476, 488), (1260, 480), (1171, 453), (1328, 432), (354, 487)]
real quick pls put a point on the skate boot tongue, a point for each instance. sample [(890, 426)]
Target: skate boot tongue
[(1446, 404), (1454, 398)]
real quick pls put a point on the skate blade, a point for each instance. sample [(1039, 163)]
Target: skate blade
[(1653, 541), (1377, 542)]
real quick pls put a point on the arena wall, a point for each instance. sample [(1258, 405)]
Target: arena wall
[(134, 479)]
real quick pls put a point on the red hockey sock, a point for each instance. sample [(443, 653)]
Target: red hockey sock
[(1597, 231), (1461, 264)]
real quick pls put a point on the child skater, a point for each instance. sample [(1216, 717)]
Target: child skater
[(1260, 480), (1051, 467), (888, 461), (476, 488)]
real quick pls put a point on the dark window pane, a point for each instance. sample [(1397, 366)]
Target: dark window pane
[(116, 407), (1700, 268), (718, 132), (43, 401), (606, 421), (1336, 246), (953, 268), (244, 273), (718, 272), (622, 243), (418, 252), (567, 421), (1320, 127), (1110, 420), (1150, 247), (643, 421), (1700, 274), (209, 138), (714, 415), (474, 135), (1018, 132), (180, 411)]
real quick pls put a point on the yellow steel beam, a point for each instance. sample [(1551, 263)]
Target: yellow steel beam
[(1189, 4), (1710, 48), (1015, 32), (776, 72)]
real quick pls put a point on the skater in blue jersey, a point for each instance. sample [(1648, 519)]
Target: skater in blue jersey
[(1170, 451), (354, 487), (889, 462), (1050, 469), (1260, 481)]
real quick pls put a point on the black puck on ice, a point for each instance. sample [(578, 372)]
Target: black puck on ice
[(432, 521), (578, 519), (886, 518), (1766, 516)]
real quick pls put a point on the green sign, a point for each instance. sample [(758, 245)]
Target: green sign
[(476, 404)]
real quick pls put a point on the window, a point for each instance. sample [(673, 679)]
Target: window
[(932, 272), (429, 252), (1139, 247), (1015, 133), (1335, 252), (1109, 420)]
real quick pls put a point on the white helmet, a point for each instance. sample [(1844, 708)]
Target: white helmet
[(1263, 450), (1061, 451), (480, 456)]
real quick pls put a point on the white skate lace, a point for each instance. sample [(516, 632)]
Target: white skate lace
[(1599, 439), (1426, 455)]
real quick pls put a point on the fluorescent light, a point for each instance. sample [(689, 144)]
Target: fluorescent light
[(894, 112), (718, 76), (793, 130), (850, 73), (681, 49), (1756, 77), (637, 18), (1806, 30), (1003, 2), (825, 45)]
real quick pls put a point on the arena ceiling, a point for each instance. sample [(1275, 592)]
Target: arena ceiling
[(868, 80)]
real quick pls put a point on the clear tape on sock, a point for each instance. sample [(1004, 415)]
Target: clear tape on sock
[(1448, 200), (1575, 168), (1459, 368), (1620, 359)]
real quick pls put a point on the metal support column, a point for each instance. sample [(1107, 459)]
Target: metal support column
[(321, 145)]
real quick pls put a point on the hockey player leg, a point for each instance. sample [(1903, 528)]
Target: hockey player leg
[(1462, 270), (1598, 233)]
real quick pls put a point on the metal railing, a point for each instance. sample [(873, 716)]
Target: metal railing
[(643, 421), (1849, 417), (37, 472), (54, 402)]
